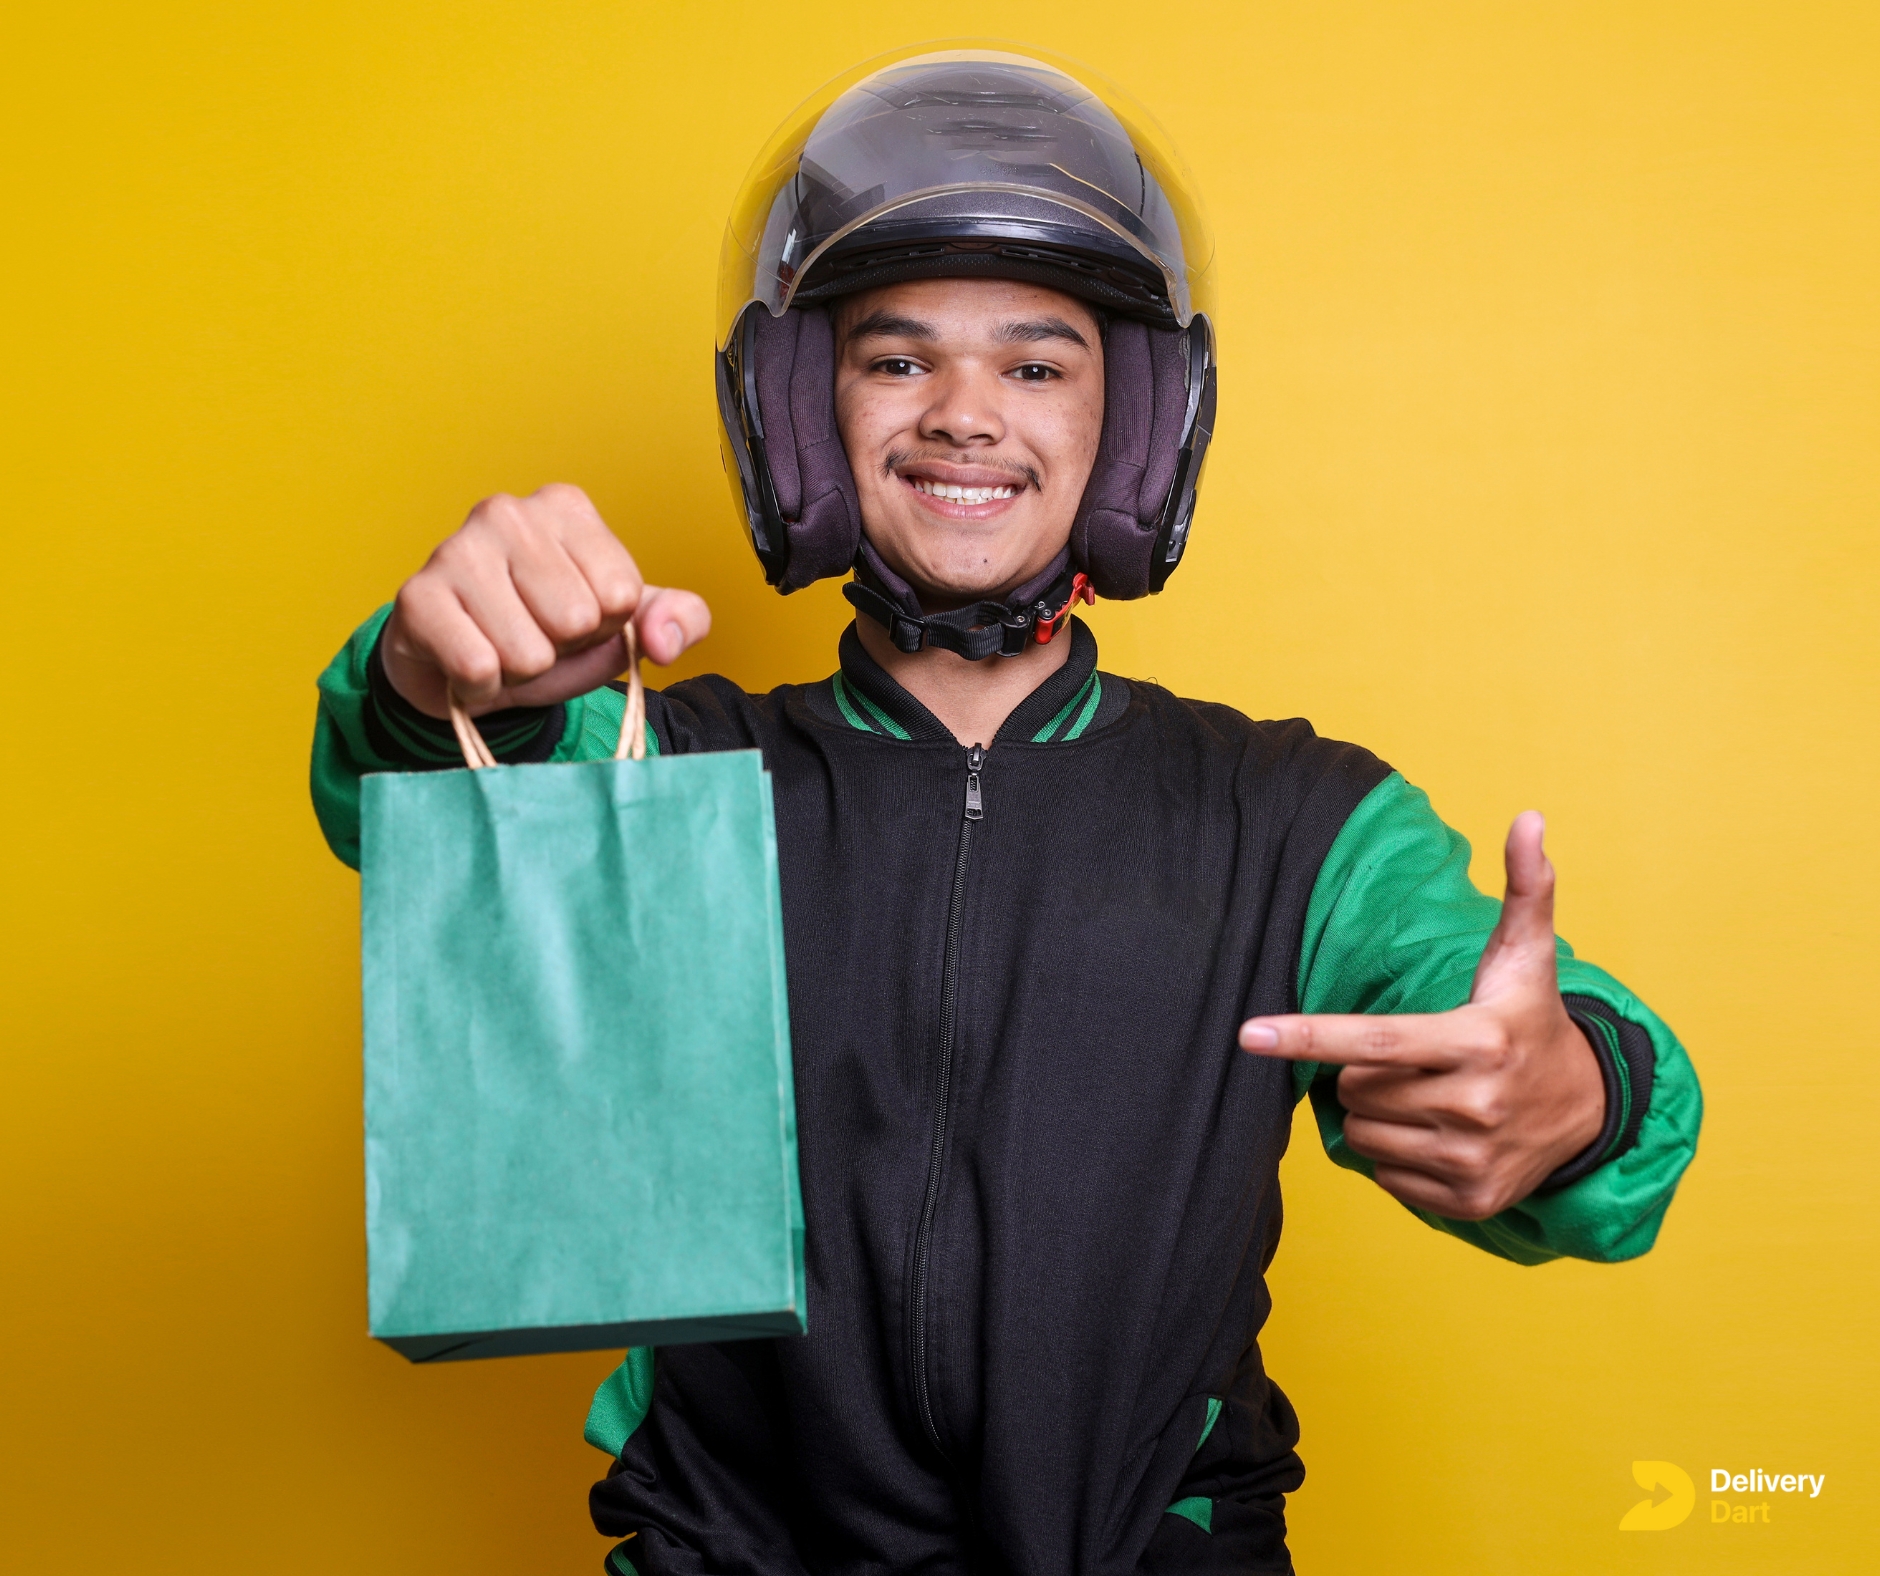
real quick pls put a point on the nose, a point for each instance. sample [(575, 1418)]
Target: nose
[(964, 410)]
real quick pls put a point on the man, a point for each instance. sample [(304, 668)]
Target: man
[(1031, 908)]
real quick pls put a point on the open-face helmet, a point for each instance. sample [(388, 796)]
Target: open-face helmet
[(973, 163)]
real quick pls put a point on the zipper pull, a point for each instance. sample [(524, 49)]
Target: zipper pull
[(975, 758)]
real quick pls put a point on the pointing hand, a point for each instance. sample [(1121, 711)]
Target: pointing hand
[(1466, 1112)]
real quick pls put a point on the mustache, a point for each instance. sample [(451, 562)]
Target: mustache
[(896, 458)]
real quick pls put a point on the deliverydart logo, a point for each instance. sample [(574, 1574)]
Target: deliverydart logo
[(1660, 1515)]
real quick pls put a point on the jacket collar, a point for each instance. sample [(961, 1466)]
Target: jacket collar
[(1058, 710)]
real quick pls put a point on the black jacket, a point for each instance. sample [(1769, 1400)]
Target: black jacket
[(1040, 1180)]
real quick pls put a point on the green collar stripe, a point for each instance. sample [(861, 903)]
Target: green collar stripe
[(1090, 707), (877, 720), (863, 715), (1043, 735), (886, 723), (849, 714)]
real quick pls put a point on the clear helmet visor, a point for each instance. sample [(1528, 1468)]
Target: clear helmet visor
[(1016, 161)]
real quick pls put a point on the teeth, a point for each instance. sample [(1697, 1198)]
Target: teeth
[(956, 494)]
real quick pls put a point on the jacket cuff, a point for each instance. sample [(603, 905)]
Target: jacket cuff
[(1626, 1066), (407, 738)]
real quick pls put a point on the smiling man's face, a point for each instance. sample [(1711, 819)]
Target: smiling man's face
[(970, 410)]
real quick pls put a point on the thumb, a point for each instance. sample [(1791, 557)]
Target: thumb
[(669, 620), (1524, 935), (1527, 912)]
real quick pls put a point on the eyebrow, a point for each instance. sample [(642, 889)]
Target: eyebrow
[(1028, 331), (889, 325), (1032, 330)]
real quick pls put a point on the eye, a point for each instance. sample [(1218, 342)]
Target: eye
[(1035, 372), (897, 367)]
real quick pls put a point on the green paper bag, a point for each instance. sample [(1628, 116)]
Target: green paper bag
[(580, 1125)]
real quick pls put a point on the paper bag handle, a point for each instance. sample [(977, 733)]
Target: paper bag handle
[(476, 751)]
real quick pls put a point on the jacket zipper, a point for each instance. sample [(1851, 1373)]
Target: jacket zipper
[(949, 997)]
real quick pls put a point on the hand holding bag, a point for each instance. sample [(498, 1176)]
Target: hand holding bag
[(580, 1125)]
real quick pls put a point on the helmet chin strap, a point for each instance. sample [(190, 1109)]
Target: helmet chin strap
[(1031, 615)]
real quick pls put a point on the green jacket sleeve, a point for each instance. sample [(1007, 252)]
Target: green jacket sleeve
[(356, 732), (1395, 925)]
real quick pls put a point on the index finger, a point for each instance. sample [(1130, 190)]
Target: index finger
[(1425, 1040)]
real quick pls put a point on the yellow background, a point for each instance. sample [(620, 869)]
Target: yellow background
[(1546, 469)]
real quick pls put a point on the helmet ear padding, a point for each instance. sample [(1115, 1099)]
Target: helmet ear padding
[(794, 361), (1145, 409)]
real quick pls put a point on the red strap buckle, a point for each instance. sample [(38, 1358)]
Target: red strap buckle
[(1080, 592)]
